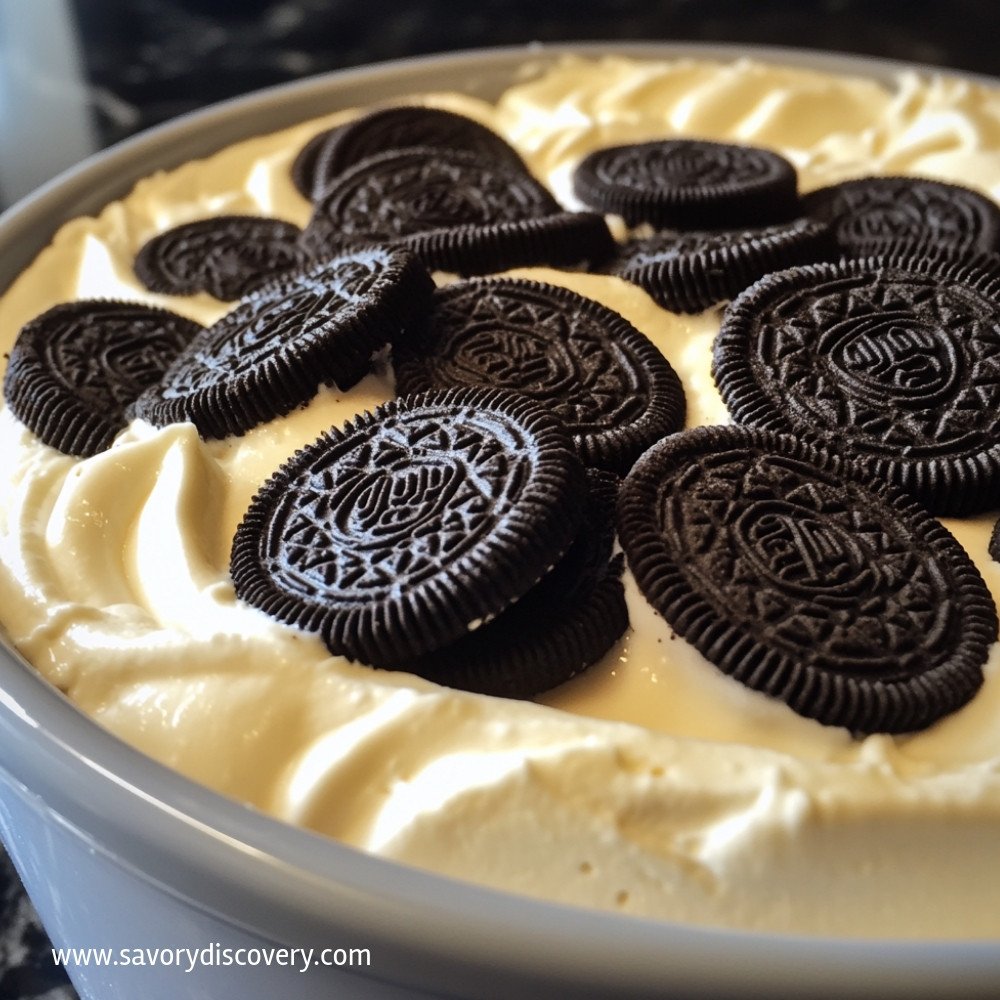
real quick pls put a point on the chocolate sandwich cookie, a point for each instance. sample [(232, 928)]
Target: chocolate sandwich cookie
[(404, 127), (688, 272), (613, 390), (455, 210), (806, 578), (74, 370), (402, 192), (689, 184), (872, 215), (994, 544), (227, 256), (304, 165), (563, 625), (412, 525), (893, 360), (566, 239), (273, 351)]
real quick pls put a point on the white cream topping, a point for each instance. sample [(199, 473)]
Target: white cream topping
[(662, 787)]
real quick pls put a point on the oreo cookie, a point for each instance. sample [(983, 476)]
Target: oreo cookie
[(893, 360), (688, 272), (273, 351), (564, 624), (421, 189), (455, 210), (994, 544), (304, 165), (613, 390), (689, 184), (873, 215), (412, 525), (566, 239), (404, 127), (74, 370), (805, 578), (227, 256)]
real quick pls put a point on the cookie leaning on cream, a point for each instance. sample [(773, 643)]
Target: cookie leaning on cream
[(698, 800)]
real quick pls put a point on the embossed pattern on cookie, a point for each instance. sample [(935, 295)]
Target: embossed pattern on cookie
[(607, 382), (74, 370), (807, 579), (413, 524), (455, 210), (226, 256), (893, 360), (689, 184), (402, 192), (565, 623), (404, 127), (274, 350), (871, 215)]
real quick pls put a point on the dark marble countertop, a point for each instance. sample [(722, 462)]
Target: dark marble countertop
[(147, 57), (118, 66), (124, 65)]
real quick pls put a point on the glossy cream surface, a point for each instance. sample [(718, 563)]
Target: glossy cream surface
[(652, 784)]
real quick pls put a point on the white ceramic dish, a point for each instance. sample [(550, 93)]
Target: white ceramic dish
[(118, 851)]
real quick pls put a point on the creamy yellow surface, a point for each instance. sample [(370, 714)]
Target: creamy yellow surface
[(664, 788)]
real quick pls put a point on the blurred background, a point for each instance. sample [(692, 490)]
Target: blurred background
[(79, 75)]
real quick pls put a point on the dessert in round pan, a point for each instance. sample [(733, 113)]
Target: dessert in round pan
[(653, 783)]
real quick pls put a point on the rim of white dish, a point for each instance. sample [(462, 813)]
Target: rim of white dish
[(284, 881)]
